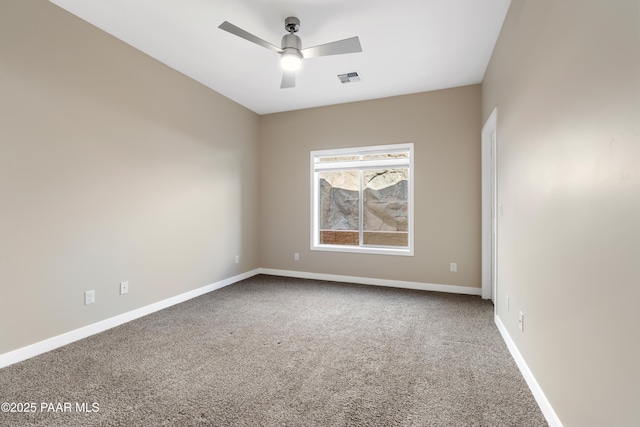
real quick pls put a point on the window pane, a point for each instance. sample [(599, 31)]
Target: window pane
[(386, 207), (339, 206)]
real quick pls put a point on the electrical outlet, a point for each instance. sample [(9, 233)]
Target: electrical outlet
[(124, 288), (454, 267), (521, 321), (237, 259), (507, 300), (296, 256), (89, 297)]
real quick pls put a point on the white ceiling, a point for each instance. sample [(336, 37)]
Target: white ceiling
[(409, 46)]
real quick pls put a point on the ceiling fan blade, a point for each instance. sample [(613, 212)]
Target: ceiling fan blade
[(351, 45), (288, 80), (237, 31)]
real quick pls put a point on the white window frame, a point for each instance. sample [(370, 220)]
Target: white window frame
[(317, 167)]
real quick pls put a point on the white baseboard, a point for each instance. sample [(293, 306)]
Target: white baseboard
[(538, 394), (32, 350), (372, 281)]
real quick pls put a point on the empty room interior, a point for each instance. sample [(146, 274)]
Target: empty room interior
[(158, 165)]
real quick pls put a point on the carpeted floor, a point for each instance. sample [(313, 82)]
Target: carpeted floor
[(273, 351)]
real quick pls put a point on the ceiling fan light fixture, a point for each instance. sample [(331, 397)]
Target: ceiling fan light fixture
[(291, 59)]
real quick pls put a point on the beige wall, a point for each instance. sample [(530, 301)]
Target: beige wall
[(113, 167), (565, 76), (445, 128)]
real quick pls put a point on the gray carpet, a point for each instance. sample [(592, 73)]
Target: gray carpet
[(272, 351)]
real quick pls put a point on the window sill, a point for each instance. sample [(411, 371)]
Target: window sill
[(363, 250)]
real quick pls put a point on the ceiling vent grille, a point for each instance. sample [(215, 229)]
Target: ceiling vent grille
[(352, 77)]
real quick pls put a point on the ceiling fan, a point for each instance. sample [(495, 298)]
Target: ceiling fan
[(291, 52)]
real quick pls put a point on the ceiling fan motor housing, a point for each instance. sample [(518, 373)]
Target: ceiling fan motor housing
[(291, 41)]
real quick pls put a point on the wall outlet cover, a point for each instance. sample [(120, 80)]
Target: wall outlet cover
[(89, 297), (521, 321)]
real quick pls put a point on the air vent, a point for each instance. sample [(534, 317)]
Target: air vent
[(349, 77)]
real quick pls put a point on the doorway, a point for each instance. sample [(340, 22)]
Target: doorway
[(489, 208)]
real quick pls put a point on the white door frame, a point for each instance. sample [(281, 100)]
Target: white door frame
[(489, 207)]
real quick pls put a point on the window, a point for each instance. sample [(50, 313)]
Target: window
[(362, 200)]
